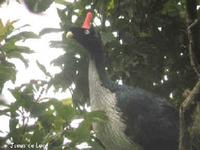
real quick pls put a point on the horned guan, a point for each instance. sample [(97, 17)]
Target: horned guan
[(137, 119)]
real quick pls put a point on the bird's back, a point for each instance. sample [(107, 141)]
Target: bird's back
[(151, 121)]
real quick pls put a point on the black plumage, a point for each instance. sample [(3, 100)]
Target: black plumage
[(137, 116)]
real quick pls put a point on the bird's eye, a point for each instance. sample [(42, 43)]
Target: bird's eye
[(86, 32)]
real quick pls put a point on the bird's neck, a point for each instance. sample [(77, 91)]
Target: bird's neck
[(98, 61), (103, 99), (96, 85)]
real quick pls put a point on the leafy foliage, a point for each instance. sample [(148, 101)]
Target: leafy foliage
[(9, 49), (52, 120), (34, 121)]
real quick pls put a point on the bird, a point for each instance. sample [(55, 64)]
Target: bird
[(137, 119)]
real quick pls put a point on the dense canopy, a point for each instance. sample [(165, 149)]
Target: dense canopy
[(146, 45)]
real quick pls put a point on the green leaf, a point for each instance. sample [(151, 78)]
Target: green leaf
[(170, 8), (96, 116), (13, 123), (10, 48), (111, 5), (24, 36), (38, 135), (49, 30), (67, 112), (23, 26), (96, 145), (7, 72), (38, 109), (2, 31), (24, 99), (24, 49), (38, 6), (58, 44), (18, 55), (4, 112), (58, 124), (107, 37), (42, 67), (67, 102), (80, 134), (62, 2), (46, 120), (6, 30)]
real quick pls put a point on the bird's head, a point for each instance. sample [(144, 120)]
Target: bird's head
[(87, 36)]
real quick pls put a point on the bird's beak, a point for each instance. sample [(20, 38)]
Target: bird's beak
[(69, 34)]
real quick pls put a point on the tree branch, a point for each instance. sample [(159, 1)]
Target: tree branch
[(190, 103), (193, 35), (186, 110)]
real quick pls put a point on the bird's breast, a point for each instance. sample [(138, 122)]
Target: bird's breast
[(111, 133)]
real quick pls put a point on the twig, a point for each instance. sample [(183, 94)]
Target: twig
[(192, 48), (193, 24), (186, 110), (40, 95)]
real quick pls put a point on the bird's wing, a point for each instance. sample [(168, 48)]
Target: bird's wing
[(147, 116)]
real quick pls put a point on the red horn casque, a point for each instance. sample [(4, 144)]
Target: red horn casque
[(87, 22)]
